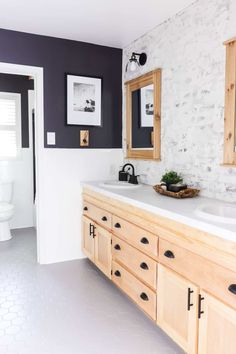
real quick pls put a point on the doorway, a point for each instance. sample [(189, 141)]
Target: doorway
[(35, 138)]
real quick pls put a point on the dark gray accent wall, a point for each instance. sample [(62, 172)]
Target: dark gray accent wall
[(58, 57), (19, 84)]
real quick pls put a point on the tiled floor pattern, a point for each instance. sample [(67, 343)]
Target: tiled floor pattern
[(67, 308)]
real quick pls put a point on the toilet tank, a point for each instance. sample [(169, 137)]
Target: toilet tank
[(6, 189)]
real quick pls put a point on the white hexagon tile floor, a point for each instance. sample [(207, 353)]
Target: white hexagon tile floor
[(67, 308)]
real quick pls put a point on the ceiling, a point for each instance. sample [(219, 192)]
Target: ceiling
[(113, 23)]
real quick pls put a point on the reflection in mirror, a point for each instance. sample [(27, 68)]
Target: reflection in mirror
[(142, 117)]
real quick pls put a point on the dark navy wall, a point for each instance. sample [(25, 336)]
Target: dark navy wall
[(19, 84), (58, 57)]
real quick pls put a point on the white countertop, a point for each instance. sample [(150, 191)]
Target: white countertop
[(181, 210)]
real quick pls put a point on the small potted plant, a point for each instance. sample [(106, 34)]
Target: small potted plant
[(171, 177)]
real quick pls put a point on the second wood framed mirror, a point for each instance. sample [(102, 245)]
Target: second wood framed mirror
[(143, 116)]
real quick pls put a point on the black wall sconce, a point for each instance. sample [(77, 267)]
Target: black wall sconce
[(136, 60)]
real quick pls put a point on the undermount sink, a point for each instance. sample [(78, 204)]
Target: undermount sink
[(119, 185), (219, 213)]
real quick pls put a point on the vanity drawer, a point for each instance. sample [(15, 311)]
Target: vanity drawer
[(135, 289), (137, 262), (207, 275), (99, 215), (136, 236)]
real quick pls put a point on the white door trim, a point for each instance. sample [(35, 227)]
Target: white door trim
[(37, 73)]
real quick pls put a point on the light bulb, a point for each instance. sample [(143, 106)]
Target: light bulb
[(133, 66)]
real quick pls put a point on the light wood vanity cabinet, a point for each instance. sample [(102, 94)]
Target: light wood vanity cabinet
[(141, 294), (177, 308), (138, 237), (99, 215), (96, 245), (88, 245), (138, 263), (186, 284), (194, 319), (217, 327)]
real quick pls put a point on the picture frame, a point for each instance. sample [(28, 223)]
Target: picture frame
[(84, 96), (147, 106)]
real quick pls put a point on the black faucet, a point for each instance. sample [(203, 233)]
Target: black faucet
[(126, 176)]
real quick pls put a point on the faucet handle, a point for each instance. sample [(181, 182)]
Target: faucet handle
[(123, 176)]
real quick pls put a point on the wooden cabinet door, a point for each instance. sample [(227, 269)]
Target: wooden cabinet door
[(177, 308), (217, 327), (103, 250), (88, 237)]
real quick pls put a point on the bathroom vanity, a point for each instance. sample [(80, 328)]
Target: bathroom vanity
[(178, 268)]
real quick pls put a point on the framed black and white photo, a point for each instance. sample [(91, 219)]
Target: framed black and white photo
[(147, 106), (84, 95)]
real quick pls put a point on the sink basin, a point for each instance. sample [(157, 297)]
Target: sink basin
[(219, 213), (119, 185)]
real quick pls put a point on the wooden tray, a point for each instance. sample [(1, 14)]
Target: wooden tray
[(185, 193)]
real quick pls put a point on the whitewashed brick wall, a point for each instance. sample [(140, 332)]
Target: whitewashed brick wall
[(189, 49)]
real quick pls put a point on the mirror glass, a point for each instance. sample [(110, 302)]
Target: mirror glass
[(142, 117)]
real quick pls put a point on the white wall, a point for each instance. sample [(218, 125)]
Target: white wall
[(63, 171), (20, 171), (189, 49)]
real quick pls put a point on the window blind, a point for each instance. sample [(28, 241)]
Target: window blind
[(10, 125)]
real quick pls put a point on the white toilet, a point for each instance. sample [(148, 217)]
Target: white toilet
[(6, 209)]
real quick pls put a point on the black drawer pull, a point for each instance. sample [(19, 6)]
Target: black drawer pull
[(144, 266), (200, 299), (104, 218), (169, 254), (117, 273), (85, 208), (144, 240), (117, 247), (232, 288), (144, 297), (92, 229), (189, 298), (117, 225)]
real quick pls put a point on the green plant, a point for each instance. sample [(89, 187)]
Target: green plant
[(171, 177)]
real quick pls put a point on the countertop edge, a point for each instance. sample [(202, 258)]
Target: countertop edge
[(220, 232)]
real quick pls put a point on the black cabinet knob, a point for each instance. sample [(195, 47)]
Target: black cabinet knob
[(104, 218), (144, 240), (144, 297), (169, 254), (117, 247), (144, 266), (117, 225), (85, 208), (117, 273), (232, 288)]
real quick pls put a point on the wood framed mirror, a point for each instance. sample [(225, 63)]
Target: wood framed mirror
[(230, 104), (143, 116)]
